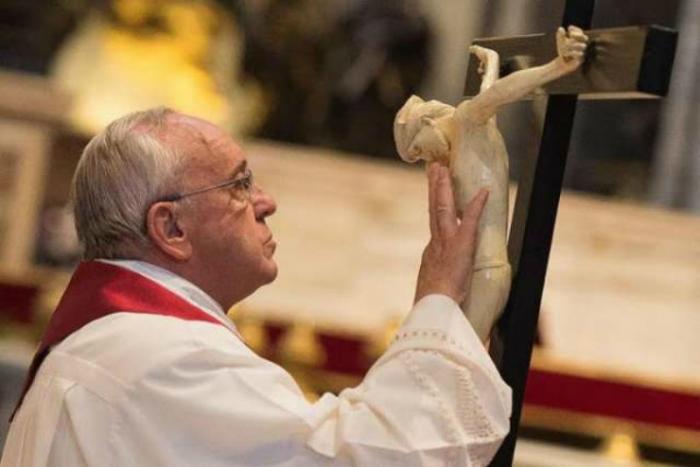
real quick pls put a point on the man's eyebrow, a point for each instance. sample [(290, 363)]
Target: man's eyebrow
[(240, 167)]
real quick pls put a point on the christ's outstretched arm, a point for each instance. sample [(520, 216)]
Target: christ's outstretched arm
[(571, 47)]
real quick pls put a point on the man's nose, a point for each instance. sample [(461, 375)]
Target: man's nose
[(263, 203)]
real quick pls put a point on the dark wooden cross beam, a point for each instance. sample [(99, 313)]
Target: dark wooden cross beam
[(630, 62), (622, 63)]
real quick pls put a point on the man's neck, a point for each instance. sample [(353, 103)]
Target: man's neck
[(191, 272)]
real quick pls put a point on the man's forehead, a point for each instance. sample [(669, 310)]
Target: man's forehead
[(187, 130), (207, 130)]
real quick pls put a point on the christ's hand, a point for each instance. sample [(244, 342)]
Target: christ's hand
[(571, 48)]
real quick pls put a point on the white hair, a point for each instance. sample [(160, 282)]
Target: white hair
[(122, 171)]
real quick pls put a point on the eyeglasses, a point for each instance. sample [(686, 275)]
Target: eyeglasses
[(241, 188)]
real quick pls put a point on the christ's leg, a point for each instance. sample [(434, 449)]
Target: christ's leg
[(489, 292)]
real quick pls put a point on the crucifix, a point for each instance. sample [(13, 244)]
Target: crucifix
[(628, 62)]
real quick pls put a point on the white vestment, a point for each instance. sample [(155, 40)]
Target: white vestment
[(149, 390)]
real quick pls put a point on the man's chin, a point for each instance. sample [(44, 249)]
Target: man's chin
[(270, 271)]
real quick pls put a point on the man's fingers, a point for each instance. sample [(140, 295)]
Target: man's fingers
[(472, 211), (445, 204), (432, 198)]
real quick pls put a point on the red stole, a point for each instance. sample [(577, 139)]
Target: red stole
[(99, 289)]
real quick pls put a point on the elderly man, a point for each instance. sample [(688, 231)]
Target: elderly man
[(140, 365)]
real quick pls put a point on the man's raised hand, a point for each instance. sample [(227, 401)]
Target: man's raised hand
[(448, 260)]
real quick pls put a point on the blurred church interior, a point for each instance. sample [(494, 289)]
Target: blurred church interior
[(311, 87)]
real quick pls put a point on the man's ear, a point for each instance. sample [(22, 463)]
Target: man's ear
[(166, 234)]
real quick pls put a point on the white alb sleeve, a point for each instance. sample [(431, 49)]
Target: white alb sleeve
[(435, 397)]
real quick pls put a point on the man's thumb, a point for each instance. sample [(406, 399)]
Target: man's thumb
[(472, 211)]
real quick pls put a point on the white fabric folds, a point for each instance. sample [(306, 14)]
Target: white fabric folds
[(149, 390)]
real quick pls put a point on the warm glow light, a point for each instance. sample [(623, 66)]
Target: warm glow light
[(188, 62)]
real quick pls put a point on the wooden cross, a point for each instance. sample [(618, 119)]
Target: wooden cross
[(628, 62)]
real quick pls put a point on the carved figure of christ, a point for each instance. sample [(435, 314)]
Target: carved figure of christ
[(467, 139)]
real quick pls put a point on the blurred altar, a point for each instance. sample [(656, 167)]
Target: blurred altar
[(311, 88)]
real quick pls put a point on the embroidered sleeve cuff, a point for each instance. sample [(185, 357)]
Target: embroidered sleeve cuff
[(440, 312), (438, 322)]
